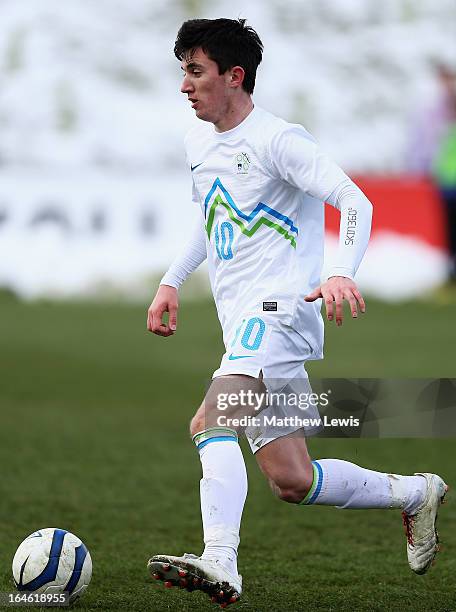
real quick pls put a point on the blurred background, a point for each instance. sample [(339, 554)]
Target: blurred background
[(94, 190), (95, 200)]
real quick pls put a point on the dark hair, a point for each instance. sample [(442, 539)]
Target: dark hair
[(228, 42)]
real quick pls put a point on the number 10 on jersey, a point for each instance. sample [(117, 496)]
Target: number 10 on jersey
[(224, 237)]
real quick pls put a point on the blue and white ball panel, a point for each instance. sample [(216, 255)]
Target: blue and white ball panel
[(52, 561)]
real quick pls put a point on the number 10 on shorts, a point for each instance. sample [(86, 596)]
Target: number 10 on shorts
[(250, 334)]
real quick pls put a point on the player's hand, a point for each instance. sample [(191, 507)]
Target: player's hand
[(165, 300), (337, 289)]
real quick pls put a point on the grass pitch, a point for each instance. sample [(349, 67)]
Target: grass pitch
[(93, 439)]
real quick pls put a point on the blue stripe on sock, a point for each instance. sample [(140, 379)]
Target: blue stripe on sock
[(319, 484), (216, 439)]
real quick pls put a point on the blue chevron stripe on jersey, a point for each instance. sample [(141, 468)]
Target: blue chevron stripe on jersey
[(258, 208)]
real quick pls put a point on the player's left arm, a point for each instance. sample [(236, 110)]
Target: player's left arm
[(355, 225), (296, 158)]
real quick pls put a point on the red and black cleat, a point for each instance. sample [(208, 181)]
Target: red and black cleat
[(171, 573)]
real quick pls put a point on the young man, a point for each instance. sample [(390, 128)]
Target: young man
[(261, 184)]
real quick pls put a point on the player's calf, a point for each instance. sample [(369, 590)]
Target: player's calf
[(291, 492), (288, 468)]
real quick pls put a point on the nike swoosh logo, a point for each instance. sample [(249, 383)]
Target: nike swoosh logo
[(195, 167), (233, 357)]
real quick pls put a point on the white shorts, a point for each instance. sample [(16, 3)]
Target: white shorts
[(259, 343)]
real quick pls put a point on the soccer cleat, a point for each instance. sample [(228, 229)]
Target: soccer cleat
[(200, 575), (422, 537)]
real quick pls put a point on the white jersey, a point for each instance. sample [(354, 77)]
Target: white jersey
[(261, 187)]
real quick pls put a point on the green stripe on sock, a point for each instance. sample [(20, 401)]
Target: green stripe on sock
[(213, 432), (313, 487)]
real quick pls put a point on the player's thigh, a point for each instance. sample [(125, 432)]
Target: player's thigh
[(286, 461), (228, 398)]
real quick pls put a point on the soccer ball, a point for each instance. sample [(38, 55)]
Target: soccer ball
[(52, 561)]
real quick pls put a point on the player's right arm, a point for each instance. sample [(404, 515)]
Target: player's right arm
[(166, 299)]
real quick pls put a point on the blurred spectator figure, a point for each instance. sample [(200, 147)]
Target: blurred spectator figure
[(444, 162), (433, 149)]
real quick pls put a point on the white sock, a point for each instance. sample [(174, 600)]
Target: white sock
[(223, 490), (346, 485)]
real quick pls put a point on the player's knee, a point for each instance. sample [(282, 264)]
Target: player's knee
[(205, 417), (197, 424)]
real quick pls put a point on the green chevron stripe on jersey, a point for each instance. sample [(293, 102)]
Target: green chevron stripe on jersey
[(234, 214), (245, 230)]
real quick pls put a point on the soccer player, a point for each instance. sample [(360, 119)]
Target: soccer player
[(261, 184)]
